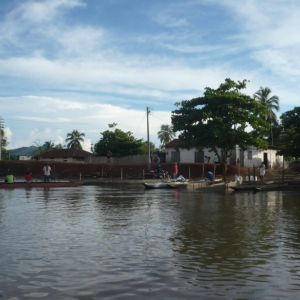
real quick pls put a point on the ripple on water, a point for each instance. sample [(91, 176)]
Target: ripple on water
[(112, 243)]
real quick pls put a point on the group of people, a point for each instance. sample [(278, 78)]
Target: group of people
[(160, 173), (28, 177)]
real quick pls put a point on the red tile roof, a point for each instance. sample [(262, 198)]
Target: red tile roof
[(175, 143), (71, 152)]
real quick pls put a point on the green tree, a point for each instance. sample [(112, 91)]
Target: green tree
[(290, 135), (4, 142), (145, 147), (263, 95), (48, 146), (58, 146), (219, 120), (40, 149), (120, 143), (74, 139), (166, 134)]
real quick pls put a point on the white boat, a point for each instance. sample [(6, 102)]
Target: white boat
[(178, 184), (165, 184)]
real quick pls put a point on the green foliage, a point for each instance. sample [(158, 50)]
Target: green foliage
[(166, 134), (74, 139), (120, 143), (271, 103), (48, 146), (145, 147), (4, 142), (290, 136), (58, 146), (220, 119), (39, 148)]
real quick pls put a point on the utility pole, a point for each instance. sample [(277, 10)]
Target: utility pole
[(148, 140)]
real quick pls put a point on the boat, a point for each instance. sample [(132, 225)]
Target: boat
[(16, 185), (156, 185), (260, 187), (165, 184), (178, 184)]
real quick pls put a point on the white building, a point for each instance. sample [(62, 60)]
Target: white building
[(249, 158), (25, 157)]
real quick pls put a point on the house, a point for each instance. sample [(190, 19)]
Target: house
[(248, 158), (65, 155)]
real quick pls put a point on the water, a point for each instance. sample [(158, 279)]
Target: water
[(111, 243)]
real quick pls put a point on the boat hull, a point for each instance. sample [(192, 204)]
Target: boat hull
[(260, 187), (17, 185), (165, 185)]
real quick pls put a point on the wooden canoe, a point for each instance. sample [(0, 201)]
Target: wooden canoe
[(17, 185)]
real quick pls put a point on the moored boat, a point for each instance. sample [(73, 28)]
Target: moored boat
[(156, 185), (16, 185), (166, 184), (260, 187)]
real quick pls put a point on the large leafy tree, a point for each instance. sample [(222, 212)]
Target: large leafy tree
[(166, 134), (290, 135), (263, 95), (220, 119), (74, 139), (120, 143)]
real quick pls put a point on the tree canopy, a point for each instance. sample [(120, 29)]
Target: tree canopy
[(48, 146), (166, 134), (263, 95), (74, 139), (220, 119), (120, 143), (290, 136)]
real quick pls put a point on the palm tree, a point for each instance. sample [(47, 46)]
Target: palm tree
[(74, 138), (48, 146), (166, 134), (59, 146), (270, 103), (39, 148)]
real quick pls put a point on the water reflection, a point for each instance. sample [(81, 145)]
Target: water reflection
[(111, 243)]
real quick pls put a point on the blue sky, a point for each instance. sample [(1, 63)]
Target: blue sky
[(83, 64)]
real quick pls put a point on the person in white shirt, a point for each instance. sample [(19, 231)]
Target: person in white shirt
[(262, 171), (47, 173)]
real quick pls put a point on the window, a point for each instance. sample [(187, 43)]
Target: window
[(199, 157), (175, 156), (249, 154)]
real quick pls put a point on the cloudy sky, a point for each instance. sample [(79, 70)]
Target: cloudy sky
[(83, 64)]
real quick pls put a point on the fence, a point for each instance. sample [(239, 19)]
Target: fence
[(133, 159)]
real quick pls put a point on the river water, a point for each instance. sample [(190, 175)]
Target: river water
[(114, 243)]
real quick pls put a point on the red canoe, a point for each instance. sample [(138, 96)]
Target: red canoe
[(16, 185)]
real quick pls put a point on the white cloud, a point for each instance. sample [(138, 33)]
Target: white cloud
[(46, 11), (91, 119)]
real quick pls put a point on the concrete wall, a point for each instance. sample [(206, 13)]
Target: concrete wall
[(19, 168)]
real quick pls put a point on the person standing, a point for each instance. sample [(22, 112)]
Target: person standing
[(47, 173), (175, 169), (108, 156), (158, 160), (262, 171)]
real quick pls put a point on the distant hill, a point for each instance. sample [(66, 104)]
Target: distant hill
[(24, 151)]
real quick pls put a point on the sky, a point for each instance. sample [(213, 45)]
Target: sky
[(84, 64)]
